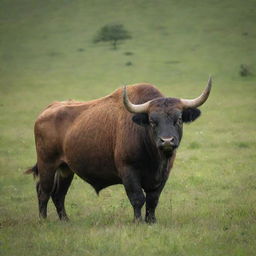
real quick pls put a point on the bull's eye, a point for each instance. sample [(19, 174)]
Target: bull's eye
[(179, 121), (152, 123)]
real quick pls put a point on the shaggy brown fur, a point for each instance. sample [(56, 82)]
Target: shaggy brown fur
[(99, 142)]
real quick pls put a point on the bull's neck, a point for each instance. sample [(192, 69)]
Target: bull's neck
[(159, 163)]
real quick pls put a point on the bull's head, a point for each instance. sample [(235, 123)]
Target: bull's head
[(164, 117)]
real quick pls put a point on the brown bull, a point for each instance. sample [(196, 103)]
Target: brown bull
[(111, 140)]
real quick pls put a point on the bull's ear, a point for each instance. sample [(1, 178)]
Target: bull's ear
[(140, 119), (190, 114)]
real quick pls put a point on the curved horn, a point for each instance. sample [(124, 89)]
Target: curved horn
[(140, 108), (194, 103)]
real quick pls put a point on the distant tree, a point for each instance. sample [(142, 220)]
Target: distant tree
[(112, 33)]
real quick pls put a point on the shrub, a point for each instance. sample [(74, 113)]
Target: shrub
[(244, 70)]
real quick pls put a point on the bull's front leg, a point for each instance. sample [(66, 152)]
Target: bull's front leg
[(151, 204), (152, 198), (134, 192)]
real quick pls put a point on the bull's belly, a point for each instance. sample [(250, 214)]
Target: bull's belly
[(99, 183), (99, 173)]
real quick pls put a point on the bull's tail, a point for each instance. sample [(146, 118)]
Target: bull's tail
[(56, 183), (33, 170)]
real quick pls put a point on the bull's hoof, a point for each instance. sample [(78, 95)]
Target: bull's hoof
[(65, 218), (138, 220), (42, 216), (150, 219)]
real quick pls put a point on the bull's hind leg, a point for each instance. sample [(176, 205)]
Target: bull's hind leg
[(44, 186), (63, 180)]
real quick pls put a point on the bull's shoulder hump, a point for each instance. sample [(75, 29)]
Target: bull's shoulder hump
[(139, 88), (145, 89), (141, 92)]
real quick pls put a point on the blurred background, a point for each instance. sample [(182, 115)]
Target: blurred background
[(48, 52)]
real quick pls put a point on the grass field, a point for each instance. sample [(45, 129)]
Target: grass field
[(208, 206)]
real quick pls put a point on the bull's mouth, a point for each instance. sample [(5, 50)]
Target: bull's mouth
[(167, 148)]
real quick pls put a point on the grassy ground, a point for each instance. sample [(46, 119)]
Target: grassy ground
[(208, 205)]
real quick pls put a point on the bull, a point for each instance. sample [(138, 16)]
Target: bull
[(118, 139)]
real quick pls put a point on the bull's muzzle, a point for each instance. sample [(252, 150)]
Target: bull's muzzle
[(167, 144)]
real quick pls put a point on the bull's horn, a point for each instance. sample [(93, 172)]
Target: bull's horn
[(140, 108), (199, 100)]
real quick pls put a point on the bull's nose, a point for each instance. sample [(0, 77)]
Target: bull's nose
[(167, 140), (167, 143)]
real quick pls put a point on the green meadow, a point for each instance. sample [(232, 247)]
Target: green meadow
[(208, 206)]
